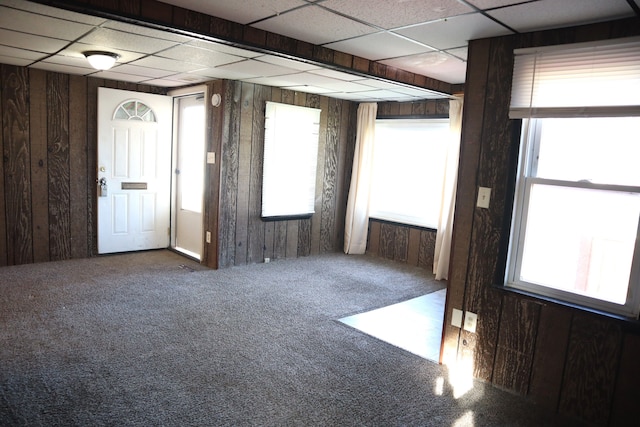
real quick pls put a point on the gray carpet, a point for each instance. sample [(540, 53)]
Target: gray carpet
[(153, 339)]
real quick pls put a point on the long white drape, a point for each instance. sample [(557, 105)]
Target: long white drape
[(357, 218), (445, 224)]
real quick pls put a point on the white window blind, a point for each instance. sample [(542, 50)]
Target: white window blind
[(290, 160), (584, 79)]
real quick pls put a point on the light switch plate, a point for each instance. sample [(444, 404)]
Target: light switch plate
[(211, 157), (470, 322), (484, 196), (456, 318)]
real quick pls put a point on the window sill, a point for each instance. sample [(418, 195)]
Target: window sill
[(402, 224), (630, 324)]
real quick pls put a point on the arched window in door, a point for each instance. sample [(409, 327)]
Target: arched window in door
[(134, 110)]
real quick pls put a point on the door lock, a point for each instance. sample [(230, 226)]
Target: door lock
[(102, 182)]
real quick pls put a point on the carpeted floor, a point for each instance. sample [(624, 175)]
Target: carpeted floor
[(152, 339)]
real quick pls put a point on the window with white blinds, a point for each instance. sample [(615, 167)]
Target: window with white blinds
[(577, 80)]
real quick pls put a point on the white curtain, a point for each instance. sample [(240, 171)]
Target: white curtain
[(445, 223), (357, 218)]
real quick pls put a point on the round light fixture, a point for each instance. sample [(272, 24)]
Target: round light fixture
[(101, 60)]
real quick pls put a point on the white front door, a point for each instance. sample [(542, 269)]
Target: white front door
[(134, 170)]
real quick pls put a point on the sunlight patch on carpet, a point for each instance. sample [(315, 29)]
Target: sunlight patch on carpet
[(414, 325)]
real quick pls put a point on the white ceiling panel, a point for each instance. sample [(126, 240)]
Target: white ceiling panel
[(378, 46), (257, 69), (52, 11), (31, 42), (555, 14), (243, 12), (195, 55), (66, 69), (336, 74), (121, 40), (461, 52), (12, 52), (73, 61), (150, 73), (145, 31), (454, 32), (9, 60), (32, 23), (167, 64), (439, 65), (490, 4), (222, 48), (112, 75), (164, 83), (397, 13), (289, 63), (314, 25), (310, 89)]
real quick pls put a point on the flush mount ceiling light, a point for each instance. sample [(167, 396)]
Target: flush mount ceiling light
[(101, 60)]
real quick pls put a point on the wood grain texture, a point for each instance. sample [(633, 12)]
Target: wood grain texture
[(92, 167), (316, 221), (387, 240), (3, 210), (17, 165), (413, 248), (244, 173), (345, 163), (551, 350), (516, 343), (328, 219), (590, 370), (256, 250), (427, 249), (627, 393), (401, 243), (39, 164), (78, 172), (58, 169), (229, 174), (373, 237)]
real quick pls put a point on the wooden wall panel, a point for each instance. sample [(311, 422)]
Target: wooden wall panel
[(551, 350), (3, 218), (39, 163), (594, 348), (427, 249), (328, 218), (413, 249), (316, 222), (78, 173), (516, 343), (401, 243), (244, 173), (58, 166), (17, 164), (627, 393), (387, 240)]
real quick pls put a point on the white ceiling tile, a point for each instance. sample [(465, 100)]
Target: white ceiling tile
[(18, 20), (490, 4), (164, 83), (336, 74), (12, 52), (145, 31), (378, 46), (222, 48), (135, 70), (167, 64), (310, 89), (195, 55), (243, 12), (553, 14), (255, 68), (115, 75), (379, 84), (383, 94), (31, 42), (188, 78), (461, 52), (397, 13), (289, 63), (275, 81), (434, 64), (314, 25), (454, 32), (61, 68), (70, 60), (9, 60), (342, 86), (51, 11), (115, 40)]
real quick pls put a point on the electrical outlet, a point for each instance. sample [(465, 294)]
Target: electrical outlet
[(211, 157), (208, 236), (266, 260), (470, 322), (456, 318)]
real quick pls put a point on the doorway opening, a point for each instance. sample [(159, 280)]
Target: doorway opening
[(188, 173)]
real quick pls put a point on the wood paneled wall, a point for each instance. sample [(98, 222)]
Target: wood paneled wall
[(47, 176), (581, 364), (244, 238), (403, 243)]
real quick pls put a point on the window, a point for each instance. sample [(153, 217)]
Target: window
[(575, 232), (290, 160), (408, 170)]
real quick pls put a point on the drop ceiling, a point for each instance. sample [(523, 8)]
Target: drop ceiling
[(426, 37)]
